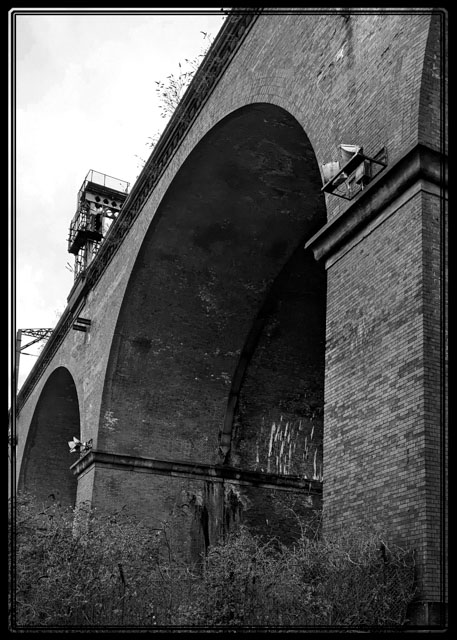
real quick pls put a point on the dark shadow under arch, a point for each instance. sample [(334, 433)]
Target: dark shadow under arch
[(246, 197), (274, 418), (280, 375), (45, 469)]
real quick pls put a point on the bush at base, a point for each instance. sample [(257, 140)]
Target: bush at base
[(117, 572)]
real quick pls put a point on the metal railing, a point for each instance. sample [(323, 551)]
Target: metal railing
[(107, 181)]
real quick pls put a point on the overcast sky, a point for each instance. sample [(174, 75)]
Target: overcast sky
[(85, 99)]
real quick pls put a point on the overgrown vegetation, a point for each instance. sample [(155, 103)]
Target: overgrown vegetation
[(119, 572), (170, 90)]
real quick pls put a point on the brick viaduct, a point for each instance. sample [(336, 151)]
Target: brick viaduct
[(251, 334)]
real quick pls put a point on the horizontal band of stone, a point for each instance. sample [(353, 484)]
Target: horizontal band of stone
[(419, 163), (214, 473)]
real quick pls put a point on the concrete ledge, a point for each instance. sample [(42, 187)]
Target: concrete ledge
[(419, 163), (215, 473)]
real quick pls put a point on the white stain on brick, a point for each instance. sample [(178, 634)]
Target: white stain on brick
[(272, 432), (109, 421)]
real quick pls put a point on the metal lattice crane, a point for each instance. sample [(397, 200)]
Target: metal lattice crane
[(38, 334)]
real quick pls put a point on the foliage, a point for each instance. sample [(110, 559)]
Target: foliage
[(66, 574), (345, 580), (171, 90), (83, 568)]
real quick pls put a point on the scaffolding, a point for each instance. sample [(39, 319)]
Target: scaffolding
[(99, 202)]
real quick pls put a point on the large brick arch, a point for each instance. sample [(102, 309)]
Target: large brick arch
[(47, 459), (241, 206)]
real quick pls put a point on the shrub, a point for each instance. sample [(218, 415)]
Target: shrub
[(349, 580), (95, 575), (84, 568)]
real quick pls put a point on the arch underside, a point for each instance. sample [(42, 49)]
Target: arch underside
[(46, 462), (223, 258), (275, 410)]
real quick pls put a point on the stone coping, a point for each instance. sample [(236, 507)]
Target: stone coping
[(196, 470)]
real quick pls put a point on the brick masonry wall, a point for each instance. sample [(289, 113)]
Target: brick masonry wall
[(432, 116), (435, 391), (374, 370), (157, 501), (381, 437)]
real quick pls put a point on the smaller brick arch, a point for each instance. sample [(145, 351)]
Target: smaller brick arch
[(45, 469)]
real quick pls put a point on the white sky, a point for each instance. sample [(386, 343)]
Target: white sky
[(85, 99)]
